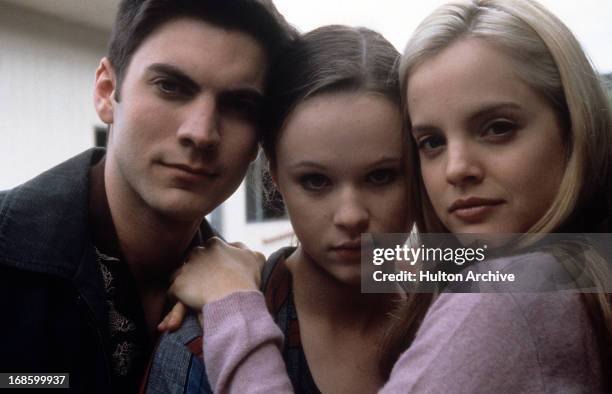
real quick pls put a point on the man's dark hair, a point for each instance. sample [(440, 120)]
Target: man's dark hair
[(137, 19)]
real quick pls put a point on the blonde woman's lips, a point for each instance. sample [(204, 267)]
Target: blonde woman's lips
[(474, 209)]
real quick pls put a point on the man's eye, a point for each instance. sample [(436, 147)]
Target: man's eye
[(314, 182), (169, 88), (430, 142), (382, 176)]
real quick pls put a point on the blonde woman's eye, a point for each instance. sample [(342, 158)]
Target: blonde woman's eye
[(500, 128)]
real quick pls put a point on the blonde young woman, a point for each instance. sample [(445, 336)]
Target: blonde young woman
[(511, 134)]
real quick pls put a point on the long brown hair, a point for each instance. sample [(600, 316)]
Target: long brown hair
[(330, 59)]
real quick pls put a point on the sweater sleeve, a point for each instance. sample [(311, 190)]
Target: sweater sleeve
[(242, 346), (510, 342), (467, 343)]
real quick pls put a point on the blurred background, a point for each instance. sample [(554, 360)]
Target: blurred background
[(49, 50)]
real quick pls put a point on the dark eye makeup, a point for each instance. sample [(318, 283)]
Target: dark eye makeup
[(430, 142), (314, 182), (382, 176), (500, 129)]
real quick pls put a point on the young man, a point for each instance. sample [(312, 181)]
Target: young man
[(87, 249)]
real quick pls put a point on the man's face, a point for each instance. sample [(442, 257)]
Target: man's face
[(184, 130)]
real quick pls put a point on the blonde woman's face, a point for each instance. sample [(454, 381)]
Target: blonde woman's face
[(491, 148)]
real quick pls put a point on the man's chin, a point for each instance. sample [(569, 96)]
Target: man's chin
[(183, 209)]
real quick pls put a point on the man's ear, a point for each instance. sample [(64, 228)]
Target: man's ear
[(104, 91)]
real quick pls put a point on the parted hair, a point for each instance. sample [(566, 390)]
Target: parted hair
[(328, 59)]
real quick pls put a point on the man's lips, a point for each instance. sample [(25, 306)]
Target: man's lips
[(192, 170)]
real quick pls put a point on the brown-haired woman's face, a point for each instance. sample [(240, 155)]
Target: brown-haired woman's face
[(340, 169), (490, 147)]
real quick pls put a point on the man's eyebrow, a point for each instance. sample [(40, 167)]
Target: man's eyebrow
[(174, 73)]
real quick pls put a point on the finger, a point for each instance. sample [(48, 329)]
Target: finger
[(176, 316), (197, 249), (239, 245), (194, 253), (260, 256), (261, 259), (162, 326), (213, 241)]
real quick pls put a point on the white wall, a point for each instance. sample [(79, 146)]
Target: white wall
[(46, 77), (265, 237)]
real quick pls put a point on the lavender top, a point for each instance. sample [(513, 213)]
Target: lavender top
[(467, 343)]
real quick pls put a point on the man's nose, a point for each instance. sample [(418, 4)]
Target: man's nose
[(351, 213), (463, 165), (200, 128)]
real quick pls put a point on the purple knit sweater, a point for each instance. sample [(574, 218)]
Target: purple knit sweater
[(467, 343)]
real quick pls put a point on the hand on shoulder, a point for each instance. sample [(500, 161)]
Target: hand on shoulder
[(215, 271)]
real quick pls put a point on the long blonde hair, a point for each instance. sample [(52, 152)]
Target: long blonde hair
[(546, 56)]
